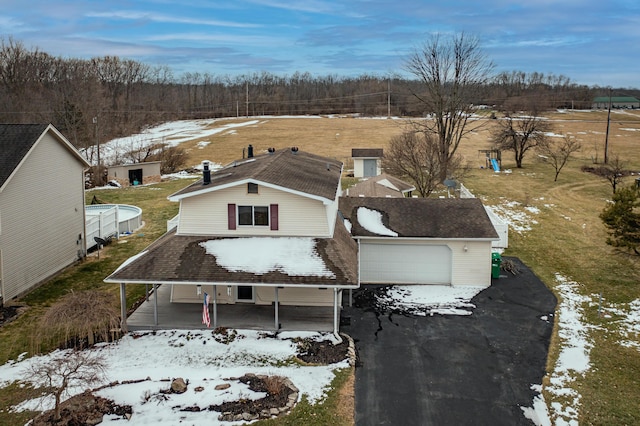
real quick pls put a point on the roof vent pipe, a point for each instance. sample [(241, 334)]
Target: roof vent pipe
[(271, 150), (250, 151), (206, 173), (294, 149)]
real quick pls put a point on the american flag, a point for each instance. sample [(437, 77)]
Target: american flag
[(205, 310)]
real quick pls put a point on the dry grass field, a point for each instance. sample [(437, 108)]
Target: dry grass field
[(567, 237)]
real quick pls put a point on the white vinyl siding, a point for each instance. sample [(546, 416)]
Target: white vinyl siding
[(295, 296), (401, 263), (263, 295), (425, 262), (207, 214), (42, 217), (473, 266)]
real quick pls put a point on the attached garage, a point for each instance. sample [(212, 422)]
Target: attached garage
[(401, 263), (421, 240)]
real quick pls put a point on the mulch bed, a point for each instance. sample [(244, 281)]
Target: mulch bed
[(82, 409), (273, 399), (322, 352)]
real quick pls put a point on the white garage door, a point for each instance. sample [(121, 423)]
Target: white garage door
[(405, 263)]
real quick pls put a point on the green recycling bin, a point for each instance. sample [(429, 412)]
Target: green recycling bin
[(496, 260)]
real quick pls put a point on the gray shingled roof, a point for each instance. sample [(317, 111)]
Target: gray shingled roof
[(376, 187), (181, 259), (423, 217), (298, 171), (15, 142), (367, 152)]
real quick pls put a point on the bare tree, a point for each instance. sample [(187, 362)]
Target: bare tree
[(415, 155), (79, 319), (73, 369), (520, 134), (614, 172), (451, 71), (557, 153)]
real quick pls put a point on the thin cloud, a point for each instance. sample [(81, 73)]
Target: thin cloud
[(137, 16)]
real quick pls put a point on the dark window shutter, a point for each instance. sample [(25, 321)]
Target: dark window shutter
[(273, 211), (231, 213)]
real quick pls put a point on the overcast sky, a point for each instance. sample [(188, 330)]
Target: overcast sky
[(595, 42)]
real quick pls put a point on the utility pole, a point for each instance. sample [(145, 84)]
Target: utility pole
[(99, 171), (606, 138), (389, 98), (247, 93)]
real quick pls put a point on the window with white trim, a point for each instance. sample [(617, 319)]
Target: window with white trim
[(253, 215)]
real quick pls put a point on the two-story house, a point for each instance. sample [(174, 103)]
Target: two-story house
[(263, 230), (42, 216), (273, 230)]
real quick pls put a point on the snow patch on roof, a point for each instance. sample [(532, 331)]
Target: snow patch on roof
[(371, 220), (260, 255)]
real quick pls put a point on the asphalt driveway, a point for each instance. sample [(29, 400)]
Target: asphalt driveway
[(454, 370)]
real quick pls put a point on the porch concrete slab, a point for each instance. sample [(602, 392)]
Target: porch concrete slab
[(188, 316)]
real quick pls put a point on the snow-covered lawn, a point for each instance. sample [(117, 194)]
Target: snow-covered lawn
[(153, 359)]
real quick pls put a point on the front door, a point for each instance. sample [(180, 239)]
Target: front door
[(244, 293)]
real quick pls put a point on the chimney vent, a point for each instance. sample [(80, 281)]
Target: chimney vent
[(271, 150), (206, 173), (294, 149), (250, 151)]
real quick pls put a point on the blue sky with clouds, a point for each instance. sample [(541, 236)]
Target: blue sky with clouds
[(595, 42)]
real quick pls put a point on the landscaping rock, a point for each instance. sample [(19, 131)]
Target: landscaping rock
[(178, 385)]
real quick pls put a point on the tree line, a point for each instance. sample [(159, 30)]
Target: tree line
[(106, 97)]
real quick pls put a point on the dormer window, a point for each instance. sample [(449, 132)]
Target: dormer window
[(252, 188)]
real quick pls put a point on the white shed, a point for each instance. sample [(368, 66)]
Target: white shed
[(367, 162)]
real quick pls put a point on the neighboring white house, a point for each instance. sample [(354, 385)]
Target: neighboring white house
[(367, 162), (421, 240), (42, 215)]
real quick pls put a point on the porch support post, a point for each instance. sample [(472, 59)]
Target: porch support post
[(351, 298), (146, 292), (277, 324), (155, 304), (335, 311), (215, 307), (123, 308)]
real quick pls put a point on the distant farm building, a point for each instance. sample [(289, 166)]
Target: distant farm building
[(602, 102)]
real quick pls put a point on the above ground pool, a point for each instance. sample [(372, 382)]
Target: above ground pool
[(111, 220)]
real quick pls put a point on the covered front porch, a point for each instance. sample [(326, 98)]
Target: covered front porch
[(158, 313)]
